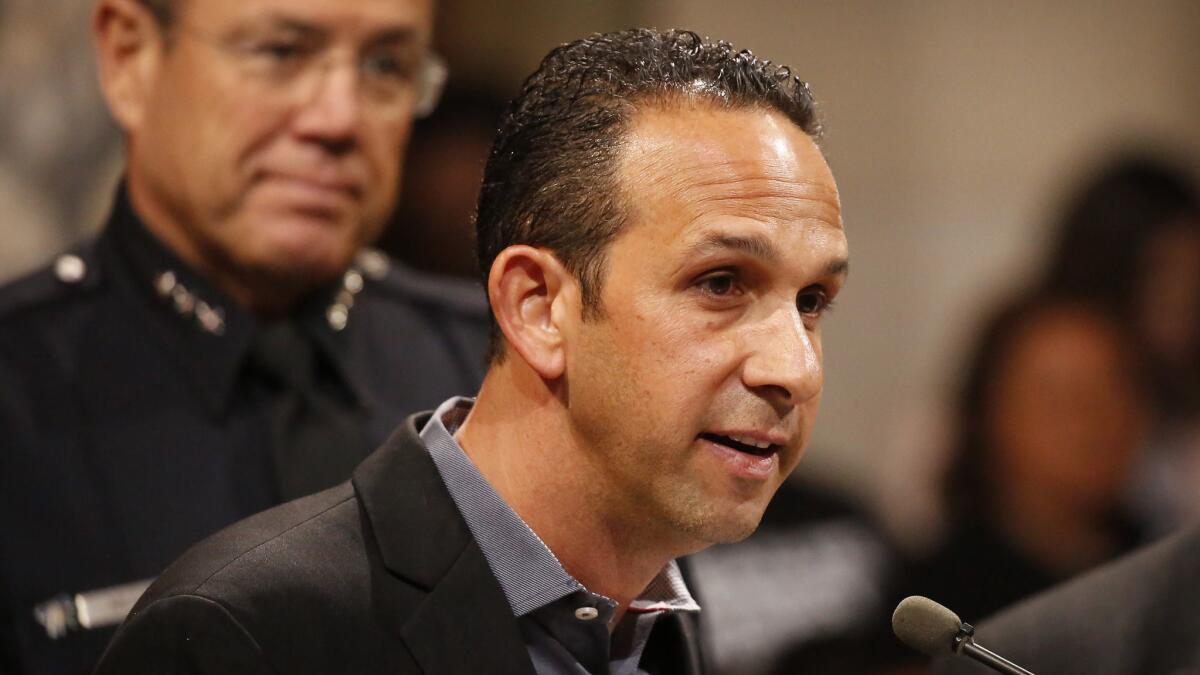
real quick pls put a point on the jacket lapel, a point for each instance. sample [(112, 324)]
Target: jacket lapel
[(463, 624)]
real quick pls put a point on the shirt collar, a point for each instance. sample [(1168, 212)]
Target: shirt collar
[(667, 592), (529, 573), (208, 333)]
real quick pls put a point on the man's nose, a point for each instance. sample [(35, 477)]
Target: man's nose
[(784, 360), (330, 111)]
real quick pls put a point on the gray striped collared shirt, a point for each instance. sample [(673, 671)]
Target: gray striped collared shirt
[(565, 626)]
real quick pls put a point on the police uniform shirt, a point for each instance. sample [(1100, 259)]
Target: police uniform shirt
[(132, 423)]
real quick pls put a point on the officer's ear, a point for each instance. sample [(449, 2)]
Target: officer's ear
[(130, 46), (533, 296)]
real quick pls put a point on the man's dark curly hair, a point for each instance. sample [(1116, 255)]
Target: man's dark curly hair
[(550, 180)]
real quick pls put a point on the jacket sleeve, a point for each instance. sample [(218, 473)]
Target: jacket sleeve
[(183, 634)]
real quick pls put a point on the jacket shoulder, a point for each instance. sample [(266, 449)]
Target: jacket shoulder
[(396, 281), (70, 278), (256, 549), (298, 588)]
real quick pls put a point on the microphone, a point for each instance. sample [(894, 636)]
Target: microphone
[(932, 629)]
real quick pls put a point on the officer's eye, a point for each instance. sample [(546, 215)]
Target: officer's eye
[(279, 51), (813, 301), (395, 65)]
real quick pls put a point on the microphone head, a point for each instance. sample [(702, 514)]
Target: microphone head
[(925, 625)]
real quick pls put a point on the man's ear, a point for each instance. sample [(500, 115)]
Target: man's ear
[(532, 294), (129, 50)]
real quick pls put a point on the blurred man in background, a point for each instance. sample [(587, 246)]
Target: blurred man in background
[(228, 342), (1129, 239)]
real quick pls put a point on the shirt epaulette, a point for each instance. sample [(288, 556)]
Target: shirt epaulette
[(392, 278), (70, 276)]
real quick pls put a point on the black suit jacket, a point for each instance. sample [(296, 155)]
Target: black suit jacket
[(380, 574), (1139, 615)]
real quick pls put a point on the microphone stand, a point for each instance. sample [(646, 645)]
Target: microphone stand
[(964, 645)]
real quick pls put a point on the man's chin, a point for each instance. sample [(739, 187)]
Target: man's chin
[(723, 527), (737, 530)]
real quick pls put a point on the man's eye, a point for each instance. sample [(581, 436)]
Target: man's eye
[(719, 284), (813, 302)]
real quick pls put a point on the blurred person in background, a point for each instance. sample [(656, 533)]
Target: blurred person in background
[(228, 342), (1129, 239), (1051, 419)]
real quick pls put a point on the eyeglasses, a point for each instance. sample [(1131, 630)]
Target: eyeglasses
[(393, 77)]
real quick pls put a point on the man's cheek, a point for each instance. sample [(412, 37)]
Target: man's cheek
[(708, 358)]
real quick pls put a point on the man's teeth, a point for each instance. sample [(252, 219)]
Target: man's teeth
[(746, 440)]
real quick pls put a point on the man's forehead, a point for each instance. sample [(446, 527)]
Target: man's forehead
[(358, 15), (746, 162), (716, 131)]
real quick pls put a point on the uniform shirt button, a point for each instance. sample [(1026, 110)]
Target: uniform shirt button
[(70, 269), (337, 316), (373, 263), (165, 283), (352, 281), (586, 613)]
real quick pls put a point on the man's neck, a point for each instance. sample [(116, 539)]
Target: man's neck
[(518, 436)]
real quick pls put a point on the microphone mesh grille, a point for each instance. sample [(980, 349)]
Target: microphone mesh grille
[(925, 625)]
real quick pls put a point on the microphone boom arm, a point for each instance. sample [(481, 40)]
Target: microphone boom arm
[(964, 645)]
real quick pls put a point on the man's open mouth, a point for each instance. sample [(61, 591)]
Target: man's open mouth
[(746, 445)]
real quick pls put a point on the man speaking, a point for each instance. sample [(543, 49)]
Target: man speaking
[(660, 238)]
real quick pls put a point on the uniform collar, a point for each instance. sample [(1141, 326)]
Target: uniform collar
[(209, 335)]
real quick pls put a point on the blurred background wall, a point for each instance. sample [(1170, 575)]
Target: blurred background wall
[(954, 129)]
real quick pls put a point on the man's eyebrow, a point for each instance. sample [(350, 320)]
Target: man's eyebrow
[(757, 247), (839, 267)]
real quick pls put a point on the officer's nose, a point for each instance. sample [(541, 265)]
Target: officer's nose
[(331, 110), (783, 361)]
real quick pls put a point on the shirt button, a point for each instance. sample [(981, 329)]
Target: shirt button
[(586, 613)]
